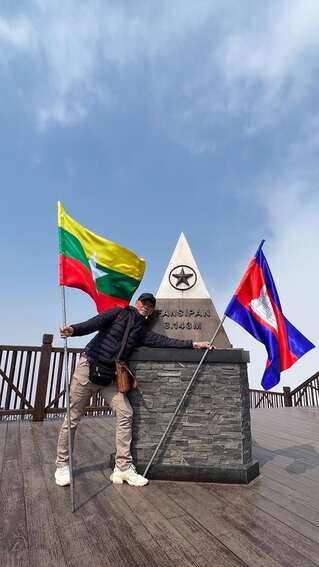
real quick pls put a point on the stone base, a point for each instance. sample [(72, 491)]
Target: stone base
[(237, 474), (226, 474), (210, 439)]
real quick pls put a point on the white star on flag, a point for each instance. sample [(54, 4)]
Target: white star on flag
[(96, 272)]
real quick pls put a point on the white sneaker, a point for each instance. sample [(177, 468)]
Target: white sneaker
[(62, 476), (130, 476)]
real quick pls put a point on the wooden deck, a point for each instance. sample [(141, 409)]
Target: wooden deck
[(273, 521)]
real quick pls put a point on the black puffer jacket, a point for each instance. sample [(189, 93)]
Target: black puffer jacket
[(111, 325)]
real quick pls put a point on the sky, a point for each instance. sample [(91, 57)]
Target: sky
[(151, 118)]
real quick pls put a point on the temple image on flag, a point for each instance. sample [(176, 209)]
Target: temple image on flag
[(256, 307)]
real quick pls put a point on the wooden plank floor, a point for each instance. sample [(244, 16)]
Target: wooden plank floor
[(273, 521)]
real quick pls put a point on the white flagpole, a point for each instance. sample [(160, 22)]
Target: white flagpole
[(67, 387), (183, 397)]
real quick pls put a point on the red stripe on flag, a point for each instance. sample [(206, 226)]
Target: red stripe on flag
[(250, 288), (74, 274), (250, 284), (287, 358), (104, 302)]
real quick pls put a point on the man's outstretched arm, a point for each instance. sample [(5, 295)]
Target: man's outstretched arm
[(91, 325)]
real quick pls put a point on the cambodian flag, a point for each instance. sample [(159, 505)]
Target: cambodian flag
[(256, 307)]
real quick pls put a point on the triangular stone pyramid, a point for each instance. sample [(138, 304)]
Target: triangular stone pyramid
[(184, 308)]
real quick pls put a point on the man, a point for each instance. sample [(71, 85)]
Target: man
[(104, 348)]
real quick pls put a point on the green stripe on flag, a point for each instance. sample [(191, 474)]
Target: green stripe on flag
[(113, 283), (70, 246), (116, 284)]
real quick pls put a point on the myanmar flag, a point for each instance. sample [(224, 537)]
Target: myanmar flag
[(108, 272)]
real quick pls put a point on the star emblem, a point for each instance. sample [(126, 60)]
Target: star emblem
[(96, 272), (180, 275)]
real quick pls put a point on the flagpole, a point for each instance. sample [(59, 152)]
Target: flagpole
[(66, 382), (184, 396)]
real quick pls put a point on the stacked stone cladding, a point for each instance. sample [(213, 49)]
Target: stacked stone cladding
[(213, 427)]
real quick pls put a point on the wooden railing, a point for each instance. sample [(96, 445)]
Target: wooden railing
[(32, 382), (32, 385), (262, 399), (305, 395)]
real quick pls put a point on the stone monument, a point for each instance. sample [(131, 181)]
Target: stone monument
[(184, 308), (210, 439)]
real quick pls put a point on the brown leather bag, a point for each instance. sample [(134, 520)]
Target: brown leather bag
[(122, 376)]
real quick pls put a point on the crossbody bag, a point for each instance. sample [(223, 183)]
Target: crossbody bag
[(122, 372), (103, 374)]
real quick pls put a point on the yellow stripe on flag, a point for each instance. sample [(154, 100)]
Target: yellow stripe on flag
[(107, 253)]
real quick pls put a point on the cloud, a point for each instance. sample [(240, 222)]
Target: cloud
[(79, 48), (61, 111), (273, 44), (17, 39), (271, 63), (206, 62)]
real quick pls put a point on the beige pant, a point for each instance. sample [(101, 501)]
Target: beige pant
[(81, 391)]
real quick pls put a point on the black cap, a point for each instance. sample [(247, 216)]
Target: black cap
[(148, 297)]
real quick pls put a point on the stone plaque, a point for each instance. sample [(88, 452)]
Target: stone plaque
[(184, 308)]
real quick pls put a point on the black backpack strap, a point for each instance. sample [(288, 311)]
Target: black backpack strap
[(125, 336)]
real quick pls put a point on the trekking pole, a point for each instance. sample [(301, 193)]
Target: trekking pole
[(183, 397), (67, 387)]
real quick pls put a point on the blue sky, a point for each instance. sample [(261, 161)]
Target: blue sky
[(151, 118)]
